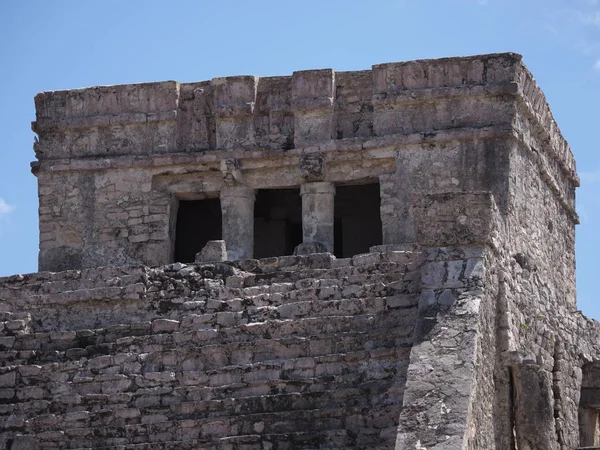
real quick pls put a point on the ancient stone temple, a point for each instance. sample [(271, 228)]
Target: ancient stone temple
[(380, 259)]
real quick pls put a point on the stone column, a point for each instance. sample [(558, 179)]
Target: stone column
[(534, 407), (395, 190), (317, 213), (237, 208)]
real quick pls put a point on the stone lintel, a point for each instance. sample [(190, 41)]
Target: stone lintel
[(282, 172), (302, 106), (376, 147)]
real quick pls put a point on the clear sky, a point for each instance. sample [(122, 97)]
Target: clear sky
[(49, 45)]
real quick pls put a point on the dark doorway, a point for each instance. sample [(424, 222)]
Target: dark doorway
[(357, 221), (277, 222), (589, 406), (198, 221)]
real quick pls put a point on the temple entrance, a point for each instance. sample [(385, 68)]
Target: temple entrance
[(357, 220), (277, 222), (198, 221)]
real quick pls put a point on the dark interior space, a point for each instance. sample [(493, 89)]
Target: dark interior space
[(198, 221), (357, 222), (277, 222)]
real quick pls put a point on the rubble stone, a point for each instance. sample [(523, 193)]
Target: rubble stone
[(213, 251)]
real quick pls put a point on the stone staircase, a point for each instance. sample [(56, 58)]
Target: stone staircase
[(295, 352)]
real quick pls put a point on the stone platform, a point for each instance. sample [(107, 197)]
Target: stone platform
[(284, 353)]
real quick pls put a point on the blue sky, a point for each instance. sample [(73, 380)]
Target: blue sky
[(50, 45)]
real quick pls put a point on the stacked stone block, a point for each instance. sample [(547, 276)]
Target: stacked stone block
[(460, 331), (290, 352), (115, 161)]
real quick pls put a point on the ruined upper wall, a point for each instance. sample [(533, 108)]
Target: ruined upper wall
[(309, 108), (115, 162)]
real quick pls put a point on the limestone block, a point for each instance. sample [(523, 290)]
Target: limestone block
[(313, 94), (195, 121), (534, 407), (213, 251), (354, 109), (366, 259), (234, 99), (164, 325), (24, 442), (447, 297), (273, 116), (444, 219), (307, 248), (312, 167), (8, 379)]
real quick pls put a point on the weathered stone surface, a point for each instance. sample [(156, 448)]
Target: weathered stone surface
[(435, 134), (213, 251), (270, 359), (458, 330), (308, 248)]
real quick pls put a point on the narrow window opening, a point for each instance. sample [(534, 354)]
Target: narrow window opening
[(198, 221), (277, 222), (589, 406), (357, 219), (511, 410)]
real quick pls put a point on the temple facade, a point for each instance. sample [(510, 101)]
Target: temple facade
[(372, 259)]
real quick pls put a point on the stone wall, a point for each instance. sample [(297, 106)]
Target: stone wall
[(459, 331), (291, 352), (115, 161)]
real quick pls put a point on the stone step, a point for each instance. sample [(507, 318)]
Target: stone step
[(358, 421), (297, 263), (384, 358), (283, 293), (193, 402), (344, 274), (175, 445), (375, 396), (69, 280), (271, 329), (303, 361), (238, 308), (236, 299), (311, 440), (344, 394), (278, 294), (399, 311), (295, 386), (290, 441), (308, 303), (113, 277), (376, 343), (120, 283), (286, 263), (211, 366)]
